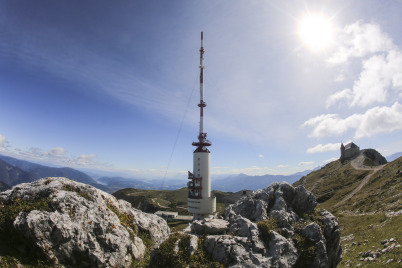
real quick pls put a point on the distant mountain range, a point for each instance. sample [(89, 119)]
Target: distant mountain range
[(12, 175), (3, 186), (14, 171), (234, 183), (226, 183), (393, 157)]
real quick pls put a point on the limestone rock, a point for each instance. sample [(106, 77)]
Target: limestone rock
[(229, 250), (210, 226), (282, 251), (332, 237), (81, 225), (278, 226)]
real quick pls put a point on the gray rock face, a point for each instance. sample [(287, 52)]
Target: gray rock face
[(83, 226), (277, 227), (375, 156), (210, 226), (333, 238)]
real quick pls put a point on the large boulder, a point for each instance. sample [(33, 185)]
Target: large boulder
[(278, 226), (210, 226), (75, 224)]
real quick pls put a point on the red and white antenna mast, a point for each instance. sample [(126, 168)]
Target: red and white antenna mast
[(202, 141), (200, 201), (202, 67)]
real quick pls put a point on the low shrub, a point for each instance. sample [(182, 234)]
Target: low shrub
[(265, 227)]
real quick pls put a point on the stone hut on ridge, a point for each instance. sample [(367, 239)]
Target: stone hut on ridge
[(349, 151)]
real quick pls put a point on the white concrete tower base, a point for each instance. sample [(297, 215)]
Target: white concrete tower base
[(206, 205)]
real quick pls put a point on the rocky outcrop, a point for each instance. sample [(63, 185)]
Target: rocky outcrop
[(374, 158), (210, 226), (75, 224), (278, 226)]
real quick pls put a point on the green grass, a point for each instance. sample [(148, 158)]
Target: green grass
[(373, 229), (332, 182), (11, 262), (265, 227), (383, 192), (305, 248), (153, 200), (72, 188)]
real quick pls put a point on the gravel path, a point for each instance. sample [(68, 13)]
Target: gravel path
[(357, 164)]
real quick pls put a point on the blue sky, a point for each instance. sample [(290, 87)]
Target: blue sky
[(113, 86)]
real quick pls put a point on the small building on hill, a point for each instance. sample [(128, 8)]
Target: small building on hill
[(349, 151)]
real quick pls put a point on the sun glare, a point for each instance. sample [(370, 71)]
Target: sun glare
[(315, 32)]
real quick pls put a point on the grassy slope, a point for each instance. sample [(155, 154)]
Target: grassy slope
[(366, 214), (152, 200), (332, 182)]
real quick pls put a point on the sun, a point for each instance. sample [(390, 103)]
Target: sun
[(316, 32)]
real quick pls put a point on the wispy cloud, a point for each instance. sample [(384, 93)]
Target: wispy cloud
[(2, 140), (380, 78), (323, 148), (373, 121), (330, 125), (358, 40), (55, 152), (252, 171), (381, 71), (55, 156), (344, 96), (87, 156), (306, 163)]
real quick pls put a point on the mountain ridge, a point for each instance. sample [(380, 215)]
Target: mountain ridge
[(12, 175), (14, 171)]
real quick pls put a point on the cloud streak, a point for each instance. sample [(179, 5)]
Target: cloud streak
[(381, 77), (306, 163), (55, 156), (323, 148), (358, 40), (373, 121)]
